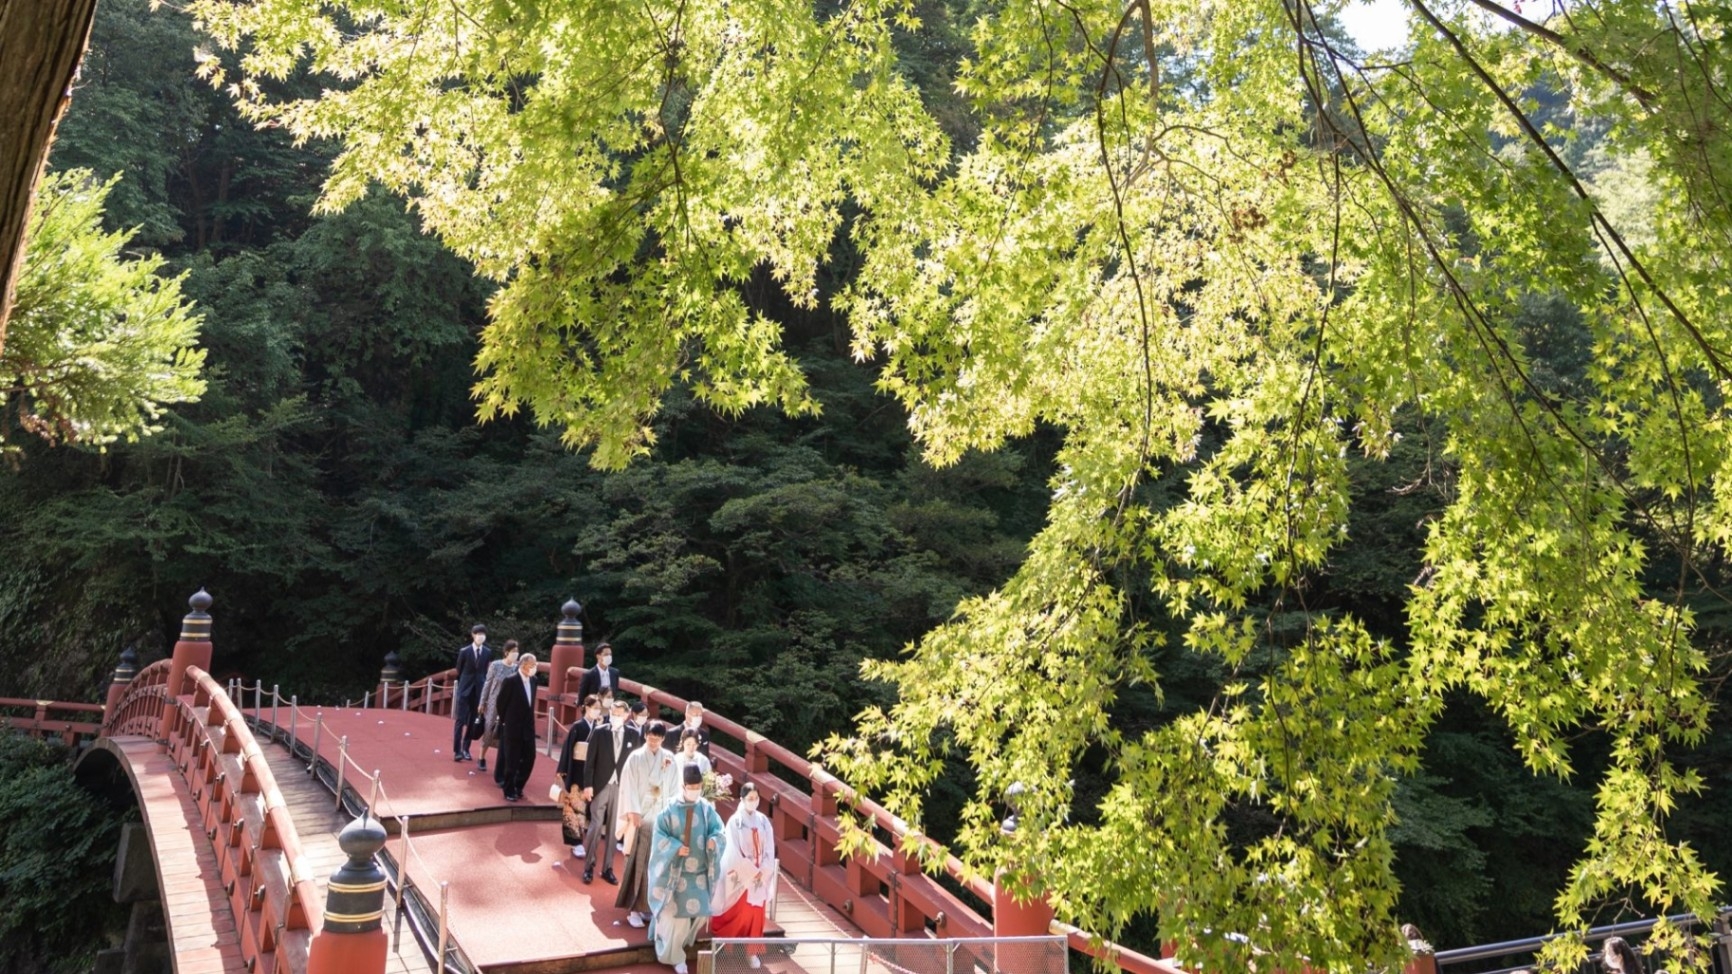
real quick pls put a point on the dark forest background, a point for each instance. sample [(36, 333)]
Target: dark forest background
[(334, 494)]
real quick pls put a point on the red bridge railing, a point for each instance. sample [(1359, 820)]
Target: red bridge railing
[(263, 869), (71, 722)]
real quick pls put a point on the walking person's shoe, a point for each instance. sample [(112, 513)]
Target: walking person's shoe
[(481, 765), (588, 875), (608, 875), (680, 968), (577, 851), (754, 961), (636, 919)]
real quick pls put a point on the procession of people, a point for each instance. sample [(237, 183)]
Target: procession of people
[(628, 783)]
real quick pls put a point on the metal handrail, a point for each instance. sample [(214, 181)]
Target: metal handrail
[(1529, 945)]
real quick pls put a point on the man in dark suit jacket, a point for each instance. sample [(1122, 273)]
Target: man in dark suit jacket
[(609, 745), (604, 675), (517, 727), (472, 663)]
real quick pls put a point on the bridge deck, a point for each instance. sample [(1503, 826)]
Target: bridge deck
[(516, 900), (201, 929)]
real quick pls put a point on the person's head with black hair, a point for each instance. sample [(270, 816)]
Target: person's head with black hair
[(1619, 957)]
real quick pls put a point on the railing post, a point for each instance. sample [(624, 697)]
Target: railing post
[(192, 649), (294, 709), (276, 698), (567, 655), (118, 683), (391, 672), (427, 695), (353, 940), (444, 928), (318, 732), (402, 861), (342, 765), (367, 700), (259, 698)]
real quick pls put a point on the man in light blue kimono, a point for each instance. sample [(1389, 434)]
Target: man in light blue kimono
[(685, 866)]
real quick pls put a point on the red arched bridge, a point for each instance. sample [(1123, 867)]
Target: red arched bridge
[(286, 837), (279, 838)]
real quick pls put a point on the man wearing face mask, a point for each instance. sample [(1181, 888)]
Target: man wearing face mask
[(517, 728), (603, 678), (649, 781), (694, 728), (748, 882), (608, 748), (471, 669), (685, 862)]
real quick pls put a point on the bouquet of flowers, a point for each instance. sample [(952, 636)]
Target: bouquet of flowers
[(716, 786)]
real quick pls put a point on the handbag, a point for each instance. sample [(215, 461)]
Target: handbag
[(555, 793)]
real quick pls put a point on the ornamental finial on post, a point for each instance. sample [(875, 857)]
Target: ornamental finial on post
[(195, 628), (353, 940)]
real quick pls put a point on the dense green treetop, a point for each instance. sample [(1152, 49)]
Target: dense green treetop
[(99, 342), (1232, 259)]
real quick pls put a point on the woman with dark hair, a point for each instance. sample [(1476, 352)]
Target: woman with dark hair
[(748, 874), (497, 672), (1619, 957), (574, 811)]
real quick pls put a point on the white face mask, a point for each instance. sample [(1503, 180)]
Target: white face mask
[(693, 722), (751, 803), (617, 721), (605, 661), (693, 794)]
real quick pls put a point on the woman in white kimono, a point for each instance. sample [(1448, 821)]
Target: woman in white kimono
[(685, 862), (748, 874)]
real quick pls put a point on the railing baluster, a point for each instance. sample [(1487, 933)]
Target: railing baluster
[(444, 930), (342, 765), (294, 708), (402, 861), (275, 699)]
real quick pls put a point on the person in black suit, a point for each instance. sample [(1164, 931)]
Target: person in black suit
[(609, 745), (603, 676), (693, 727), (517, 727), (472, 663)]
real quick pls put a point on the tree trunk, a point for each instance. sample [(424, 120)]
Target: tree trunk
[(41, 45)]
